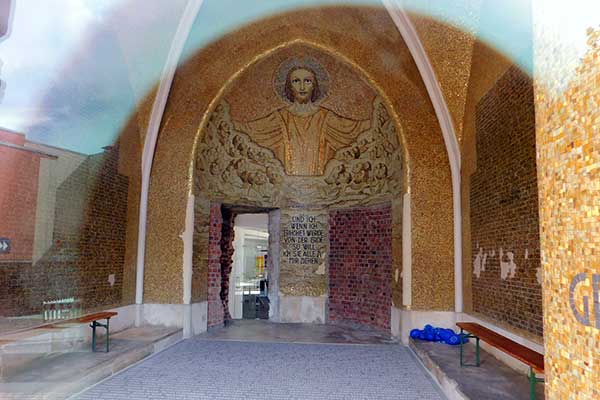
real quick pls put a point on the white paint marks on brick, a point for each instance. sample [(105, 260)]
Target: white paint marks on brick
[(538, 274), (526, 254), (397, 274), (111, 279), (507, 268), (479, 263)]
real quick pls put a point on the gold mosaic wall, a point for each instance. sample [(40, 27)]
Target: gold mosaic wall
[(365, 37), (397, 211), (450, 51), (568, 141)]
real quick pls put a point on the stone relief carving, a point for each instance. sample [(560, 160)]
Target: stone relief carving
[(232, 167), (303, 158)]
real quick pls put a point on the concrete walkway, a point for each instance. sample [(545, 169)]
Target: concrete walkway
[(59, 375)]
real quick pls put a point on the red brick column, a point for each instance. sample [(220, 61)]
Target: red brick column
[(360, 266), (227, 236), (215, 305)]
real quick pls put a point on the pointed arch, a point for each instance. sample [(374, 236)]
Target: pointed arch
[(428, 76)]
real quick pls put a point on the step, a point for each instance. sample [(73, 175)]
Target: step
[(493, 380), (60, 375), (60, 338), (21, 349)]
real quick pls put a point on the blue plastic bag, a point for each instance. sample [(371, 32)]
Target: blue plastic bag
[(432, 334)]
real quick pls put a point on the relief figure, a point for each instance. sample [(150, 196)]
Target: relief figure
[(303, 153), (304, 135)]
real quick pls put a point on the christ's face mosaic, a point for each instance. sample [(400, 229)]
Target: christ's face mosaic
[(302, 83)]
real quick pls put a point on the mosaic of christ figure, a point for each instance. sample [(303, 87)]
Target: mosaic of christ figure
[(303, 134)]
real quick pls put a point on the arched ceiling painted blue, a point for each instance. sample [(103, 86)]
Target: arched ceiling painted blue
[(76, 69)]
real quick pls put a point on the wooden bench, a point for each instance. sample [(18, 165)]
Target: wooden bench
[(532, 358), (63, 324), (94, 318)]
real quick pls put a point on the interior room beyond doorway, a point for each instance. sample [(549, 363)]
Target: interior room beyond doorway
[(249, 276)]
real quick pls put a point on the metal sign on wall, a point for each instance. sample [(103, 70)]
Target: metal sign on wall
[(4, 245)]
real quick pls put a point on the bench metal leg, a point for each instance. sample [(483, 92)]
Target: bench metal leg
[(477, 357), (477, 361), (107, 333), (461, 349), (93, 326), (533, 380), (96, 324)]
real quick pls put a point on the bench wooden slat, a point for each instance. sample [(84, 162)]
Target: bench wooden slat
[(60, 324), (518, 351), (96, 316)]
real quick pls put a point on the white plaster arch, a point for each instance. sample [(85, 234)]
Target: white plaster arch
[(418, 53), (158, 108), (411, 38)]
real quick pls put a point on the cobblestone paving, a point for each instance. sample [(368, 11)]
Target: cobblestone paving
[(204, 369)]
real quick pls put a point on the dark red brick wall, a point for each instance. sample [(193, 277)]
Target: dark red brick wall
[(97, 193), (504, 204), (89, 244), (360, 266), (215, 304), (20, 286), (19, 172), (227, 237)]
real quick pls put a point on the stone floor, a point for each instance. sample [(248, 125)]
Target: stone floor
[(258, 359), (211, 369), (59, 375), (264, 331), (493, 380)]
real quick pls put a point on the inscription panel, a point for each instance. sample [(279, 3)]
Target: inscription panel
[(304, 248)]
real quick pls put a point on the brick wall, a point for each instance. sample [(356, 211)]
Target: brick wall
[(360, 266), (19, 289), (97, 193), (227, 237), (88, 243), (19, 170), (504, 206), (215, 305)]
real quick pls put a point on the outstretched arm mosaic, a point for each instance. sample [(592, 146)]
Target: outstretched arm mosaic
[(232, 166), (302, 153)]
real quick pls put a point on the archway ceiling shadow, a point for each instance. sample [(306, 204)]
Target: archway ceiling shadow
[(161, 102)]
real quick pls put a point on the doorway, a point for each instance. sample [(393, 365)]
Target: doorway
[(249, 278)]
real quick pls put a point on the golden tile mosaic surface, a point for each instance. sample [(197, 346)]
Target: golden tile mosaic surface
[(449, 51), (568, 139)]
